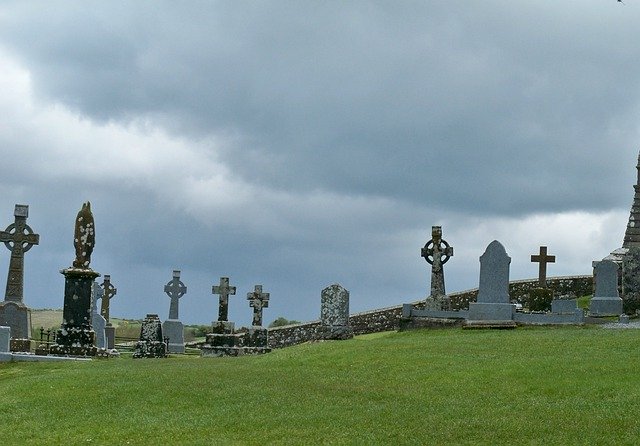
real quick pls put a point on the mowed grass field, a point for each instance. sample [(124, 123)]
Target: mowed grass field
[(526, 386)]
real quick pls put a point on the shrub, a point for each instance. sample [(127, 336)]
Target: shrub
[(540, 299)]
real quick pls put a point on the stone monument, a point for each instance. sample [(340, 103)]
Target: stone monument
[(258, 300), (631, 280), (19, 238), (108, 292), (606, 300), (172, 328), (437, 252), (151, 343), (492, 307), (334, 314), (76, 336), (98, 322), (224, 290), (540, 299)]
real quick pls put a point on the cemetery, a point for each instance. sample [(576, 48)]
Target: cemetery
[(492, 343)]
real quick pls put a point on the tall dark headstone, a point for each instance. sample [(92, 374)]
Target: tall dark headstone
[(334, 313), (76, 336), (151, 343), (606, 300), (18, 238)]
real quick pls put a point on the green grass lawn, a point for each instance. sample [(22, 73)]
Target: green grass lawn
[(525, 386)]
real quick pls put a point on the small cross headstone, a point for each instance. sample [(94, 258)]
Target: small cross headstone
[(18, 238), (224, 290), (108, 291), (258, 300), (542, 259), (175, 289)]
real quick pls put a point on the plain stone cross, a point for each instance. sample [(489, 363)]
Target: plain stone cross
[(542, 259), (224, 290), (19, 238), (258, 300), (175, 289), (108, 292)]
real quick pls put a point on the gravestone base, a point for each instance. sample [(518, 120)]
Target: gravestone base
[(151, 343), (218, 352), (564, 306), (224, 340), (413, 323), (110, 336), (252, 342), (256, 337), (605, 306), (490, 315), (437, 303), (336, 332), (17, 316), (74, 341), (174, 330), (222, 327), (150, 349), (20, 345)]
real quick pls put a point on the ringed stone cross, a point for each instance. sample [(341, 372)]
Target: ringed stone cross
[(542, 259), (437, 252), (258, 300), (175, 289), (224, 290), (108, 292), (19, 238)]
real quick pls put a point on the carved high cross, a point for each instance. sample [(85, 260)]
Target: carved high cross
[(175, 289), (437, 252), (108, 292), (543, 259), (224, 290), (18, 238), (258, 300)]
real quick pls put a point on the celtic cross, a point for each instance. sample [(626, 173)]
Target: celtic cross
[(18, 238), (175, 289), (437, 252)]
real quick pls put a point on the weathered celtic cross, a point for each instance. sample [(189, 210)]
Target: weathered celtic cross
[(542, 259), (19, 238), (175, 289), (258, 300), (224, 290), (108, 292), (437, 252)]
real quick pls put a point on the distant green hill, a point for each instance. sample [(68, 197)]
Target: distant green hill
[(567, 385)]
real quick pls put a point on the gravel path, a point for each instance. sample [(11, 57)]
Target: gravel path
[(632, 324)]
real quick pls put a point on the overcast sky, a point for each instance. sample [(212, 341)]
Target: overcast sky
[(297, 144)]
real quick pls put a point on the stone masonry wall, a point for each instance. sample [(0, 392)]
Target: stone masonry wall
[(387, 319)]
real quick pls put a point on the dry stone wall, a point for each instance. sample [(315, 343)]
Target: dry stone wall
[(387, 319)]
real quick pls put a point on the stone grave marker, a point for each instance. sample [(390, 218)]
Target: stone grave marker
[(97, 321), (541, 298), (151, 343), (224, 290), (492, 307), (172, 328), (334, 313), (437, 252), (258, 301), (18, 238), (5, 338), (76, 336), (606, 300), (108, 292)]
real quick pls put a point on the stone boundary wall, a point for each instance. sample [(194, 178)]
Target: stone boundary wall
[(386, 319)]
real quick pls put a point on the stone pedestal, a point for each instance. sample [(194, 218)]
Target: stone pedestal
[(484, 313), (564, 306), (174, 330), (16, 316), (151, 343), (253, 341), (110, 335), (5, 336), (76, 336)]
